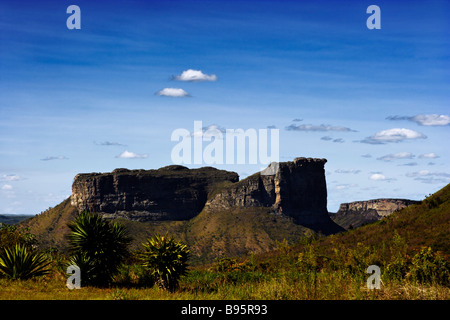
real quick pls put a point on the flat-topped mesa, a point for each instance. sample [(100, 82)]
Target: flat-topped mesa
[(169, 193), (379, 207), (296, 189)]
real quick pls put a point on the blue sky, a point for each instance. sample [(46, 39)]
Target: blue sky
[(375, 103)]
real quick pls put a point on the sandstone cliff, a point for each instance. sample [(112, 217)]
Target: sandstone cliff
[(296, 189), (169, 193), (358, 213)]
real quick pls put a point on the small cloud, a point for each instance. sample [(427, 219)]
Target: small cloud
[(195, 75), (409, 164), (326, 138), (395, 156), (10, 177), (367, 155), (431, 155), (393, 135), (131, 155), (338, 140), (54, 158), (425, 119), (172, 92), (345, 186), (380, 177), (272, 126), (352, 171), (431, 163), (322, 127), (427, 176), (7, 187), (209, 131), (297, 120), (109, 143)]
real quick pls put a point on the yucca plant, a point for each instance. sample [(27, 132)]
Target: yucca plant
[(19, 262), (166, 258), (98, 247)]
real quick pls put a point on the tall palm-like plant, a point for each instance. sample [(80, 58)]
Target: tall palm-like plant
[(19, 262), (166, 258), (98, 247)]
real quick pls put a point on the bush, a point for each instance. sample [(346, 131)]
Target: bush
[(10, 235), (429, 267), (98, 247), (167, 260), (18, 262)]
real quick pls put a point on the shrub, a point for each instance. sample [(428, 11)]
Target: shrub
[(10, 235), (167, 260), (18, 262), (98, 247), (429, 267)]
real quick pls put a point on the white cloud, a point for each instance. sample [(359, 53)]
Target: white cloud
[(172, 92), (377, 177), (380, 177), (393, 135), (427, 176), (131, 155), (425, 119), (10, 177), (195, 75), (400, 155), (322, 127), (431, 155), (432, 119), (7, 187)]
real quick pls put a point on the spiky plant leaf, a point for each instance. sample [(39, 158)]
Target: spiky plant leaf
[(18, 262), (166, 258)]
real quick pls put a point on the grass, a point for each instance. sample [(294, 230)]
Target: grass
[(206, 285)]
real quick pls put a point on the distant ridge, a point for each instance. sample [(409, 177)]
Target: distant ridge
[(13, 218)]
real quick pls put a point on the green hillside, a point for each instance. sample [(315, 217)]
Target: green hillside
[(408, 230), (210, 235)]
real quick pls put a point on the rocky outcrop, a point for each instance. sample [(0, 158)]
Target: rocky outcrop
[(355, 214), (169, 193), (296, 189)]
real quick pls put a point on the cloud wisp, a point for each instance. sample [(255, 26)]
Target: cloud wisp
[(426, 176), (318, 128), (425, 119), (109, 144), (396, 156), (50, 158), (393, 135), (431, 155)]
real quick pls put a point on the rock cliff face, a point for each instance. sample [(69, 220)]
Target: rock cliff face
[(169, 193), (296, 189), (362, 212)]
